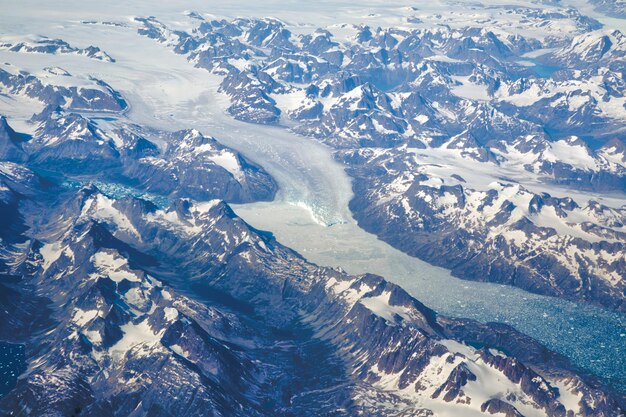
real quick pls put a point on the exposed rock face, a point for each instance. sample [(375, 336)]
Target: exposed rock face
[(190, 311), (97, 97), (71, 144), (250, 102), (453, 387), (607, 47), (194, 166), (191, 165), (391, 86), (497, 406), (10, 143), (611, 8), (429, 120), (129, 308), (57, 46), (505, 233)]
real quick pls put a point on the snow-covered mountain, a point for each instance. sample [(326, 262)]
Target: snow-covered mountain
[(485, 139), (450, 95), (501, 232), (56, 46), (190, 165), (58, 88), (187, 310)]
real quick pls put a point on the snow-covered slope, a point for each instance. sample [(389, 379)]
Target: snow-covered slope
[(187, 310), (466, 96), (500, 232), (484, 138)]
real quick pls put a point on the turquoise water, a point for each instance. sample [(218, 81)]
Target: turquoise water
[(544, 71), (117, 191), (538, 68)]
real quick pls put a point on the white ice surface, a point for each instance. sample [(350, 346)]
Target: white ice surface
[(229, 162), (114, 266), (50, 252)]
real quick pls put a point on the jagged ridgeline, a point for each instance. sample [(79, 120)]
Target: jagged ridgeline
[(484, 139), (461, 140), (128, 308)]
